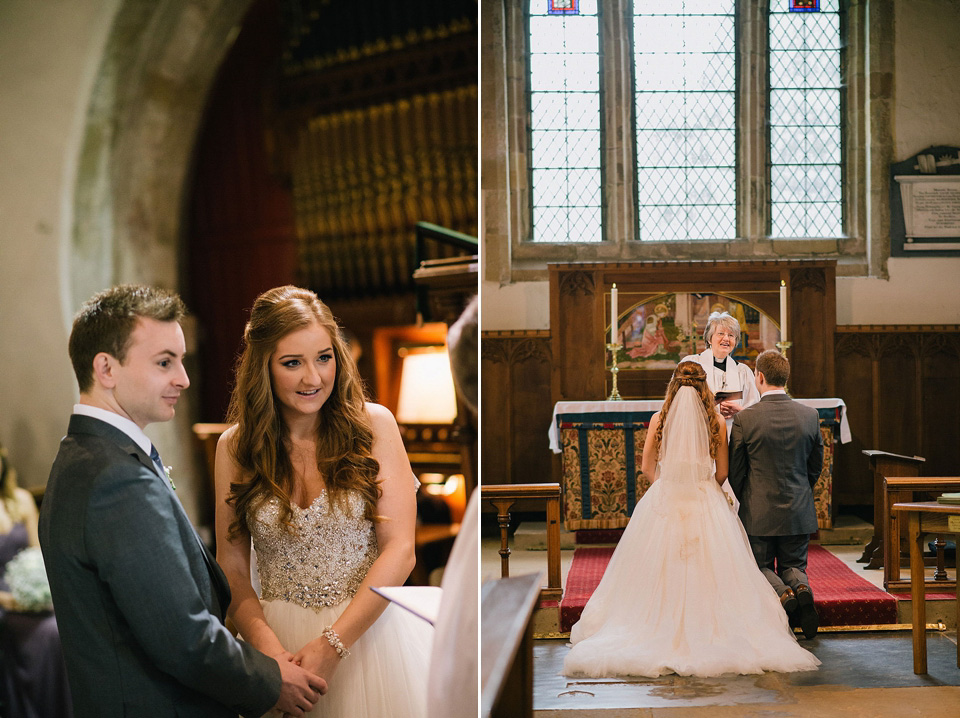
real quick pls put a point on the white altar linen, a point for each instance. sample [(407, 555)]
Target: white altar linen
[(592, 407)]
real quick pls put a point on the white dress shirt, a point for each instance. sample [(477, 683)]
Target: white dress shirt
[(118, 422)]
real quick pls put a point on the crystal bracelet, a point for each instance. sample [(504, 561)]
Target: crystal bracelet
[(333, 638)]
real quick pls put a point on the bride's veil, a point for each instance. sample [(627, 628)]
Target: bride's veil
[(685, 449)]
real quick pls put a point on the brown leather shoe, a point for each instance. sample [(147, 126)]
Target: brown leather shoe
[(789, 601), (809, 620)]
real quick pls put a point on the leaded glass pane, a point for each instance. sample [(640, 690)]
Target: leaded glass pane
[(787, 105), (817, 68), (712, 186), (806, 140), (711, 148), (550, 222), (679, 7), (678, 222), (821, 30), (663, 223), (685, 85), (584, 224), (655, 185), (564, 101), (549, 187), (712, 222), (583, 186), (583, 111)]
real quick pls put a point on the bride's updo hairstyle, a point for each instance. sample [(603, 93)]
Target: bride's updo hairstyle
[(344, 434), (690, 373)]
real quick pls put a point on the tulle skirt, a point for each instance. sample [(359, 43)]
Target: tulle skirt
[(682, 594), (385, 673)]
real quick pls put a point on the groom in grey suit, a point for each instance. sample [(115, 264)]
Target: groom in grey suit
[(139, 599), (776, 454)]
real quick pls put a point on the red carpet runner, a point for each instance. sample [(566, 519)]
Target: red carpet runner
[(842, 597)]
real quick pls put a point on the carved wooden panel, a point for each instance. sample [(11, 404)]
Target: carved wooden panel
[(901, 385), (576, 297), (515, 407), (812, 321)]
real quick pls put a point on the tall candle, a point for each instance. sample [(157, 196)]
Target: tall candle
[(783, 311), (613, 314)]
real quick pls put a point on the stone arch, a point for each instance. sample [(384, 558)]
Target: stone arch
[(147, 101), (156, 71)]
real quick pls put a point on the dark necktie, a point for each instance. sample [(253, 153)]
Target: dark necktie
[(155, 455)]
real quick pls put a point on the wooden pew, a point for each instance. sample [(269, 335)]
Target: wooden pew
[(506, 647)]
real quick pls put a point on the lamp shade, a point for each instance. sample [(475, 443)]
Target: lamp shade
[(426, 388)]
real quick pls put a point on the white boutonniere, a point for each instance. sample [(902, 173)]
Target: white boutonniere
[(168, 470)]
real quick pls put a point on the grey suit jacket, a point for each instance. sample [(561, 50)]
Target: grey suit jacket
[(139, 599), (776, 454)]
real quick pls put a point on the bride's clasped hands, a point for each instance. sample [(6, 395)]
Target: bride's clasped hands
[(318, 657)]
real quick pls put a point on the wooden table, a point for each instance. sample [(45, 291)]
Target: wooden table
[(925, 517), (905, 490)]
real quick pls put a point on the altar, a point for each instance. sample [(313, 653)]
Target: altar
[(601, 443)]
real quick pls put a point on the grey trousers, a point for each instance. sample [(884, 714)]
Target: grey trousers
[(782, 560)]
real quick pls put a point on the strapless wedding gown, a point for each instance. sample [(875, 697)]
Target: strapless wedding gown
[(307, 578), (682, 592)]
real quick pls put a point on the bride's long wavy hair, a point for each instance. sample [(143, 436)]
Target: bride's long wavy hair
[(690, 373), (260, 448)]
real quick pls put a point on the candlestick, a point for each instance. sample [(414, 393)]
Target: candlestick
[(614, 314), (783, 311), (614, 370)]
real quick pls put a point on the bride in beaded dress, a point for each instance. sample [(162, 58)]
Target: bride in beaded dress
[(318, 480), (682, 592)]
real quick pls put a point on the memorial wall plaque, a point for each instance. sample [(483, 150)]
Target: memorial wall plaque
[(925, 204)]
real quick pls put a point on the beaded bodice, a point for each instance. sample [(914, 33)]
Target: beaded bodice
[(322, 560)]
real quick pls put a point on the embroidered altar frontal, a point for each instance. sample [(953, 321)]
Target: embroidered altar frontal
[(601, 476), (602, 481)]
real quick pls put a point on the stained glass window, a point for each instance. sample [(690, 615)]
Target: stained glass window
[(685, 84), (565, 138), (806, 141), (563, 7)]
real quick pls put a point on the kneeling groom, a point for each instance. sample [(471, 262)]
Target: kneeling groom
[(776, 454)]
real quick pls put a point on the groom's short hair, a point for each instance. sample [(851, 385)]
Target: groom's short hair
[(774, 367), (106, 321)]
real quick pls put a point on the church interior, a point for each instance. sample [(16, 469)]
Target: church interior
[(586, 152), (399, 158), (219, 149)]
